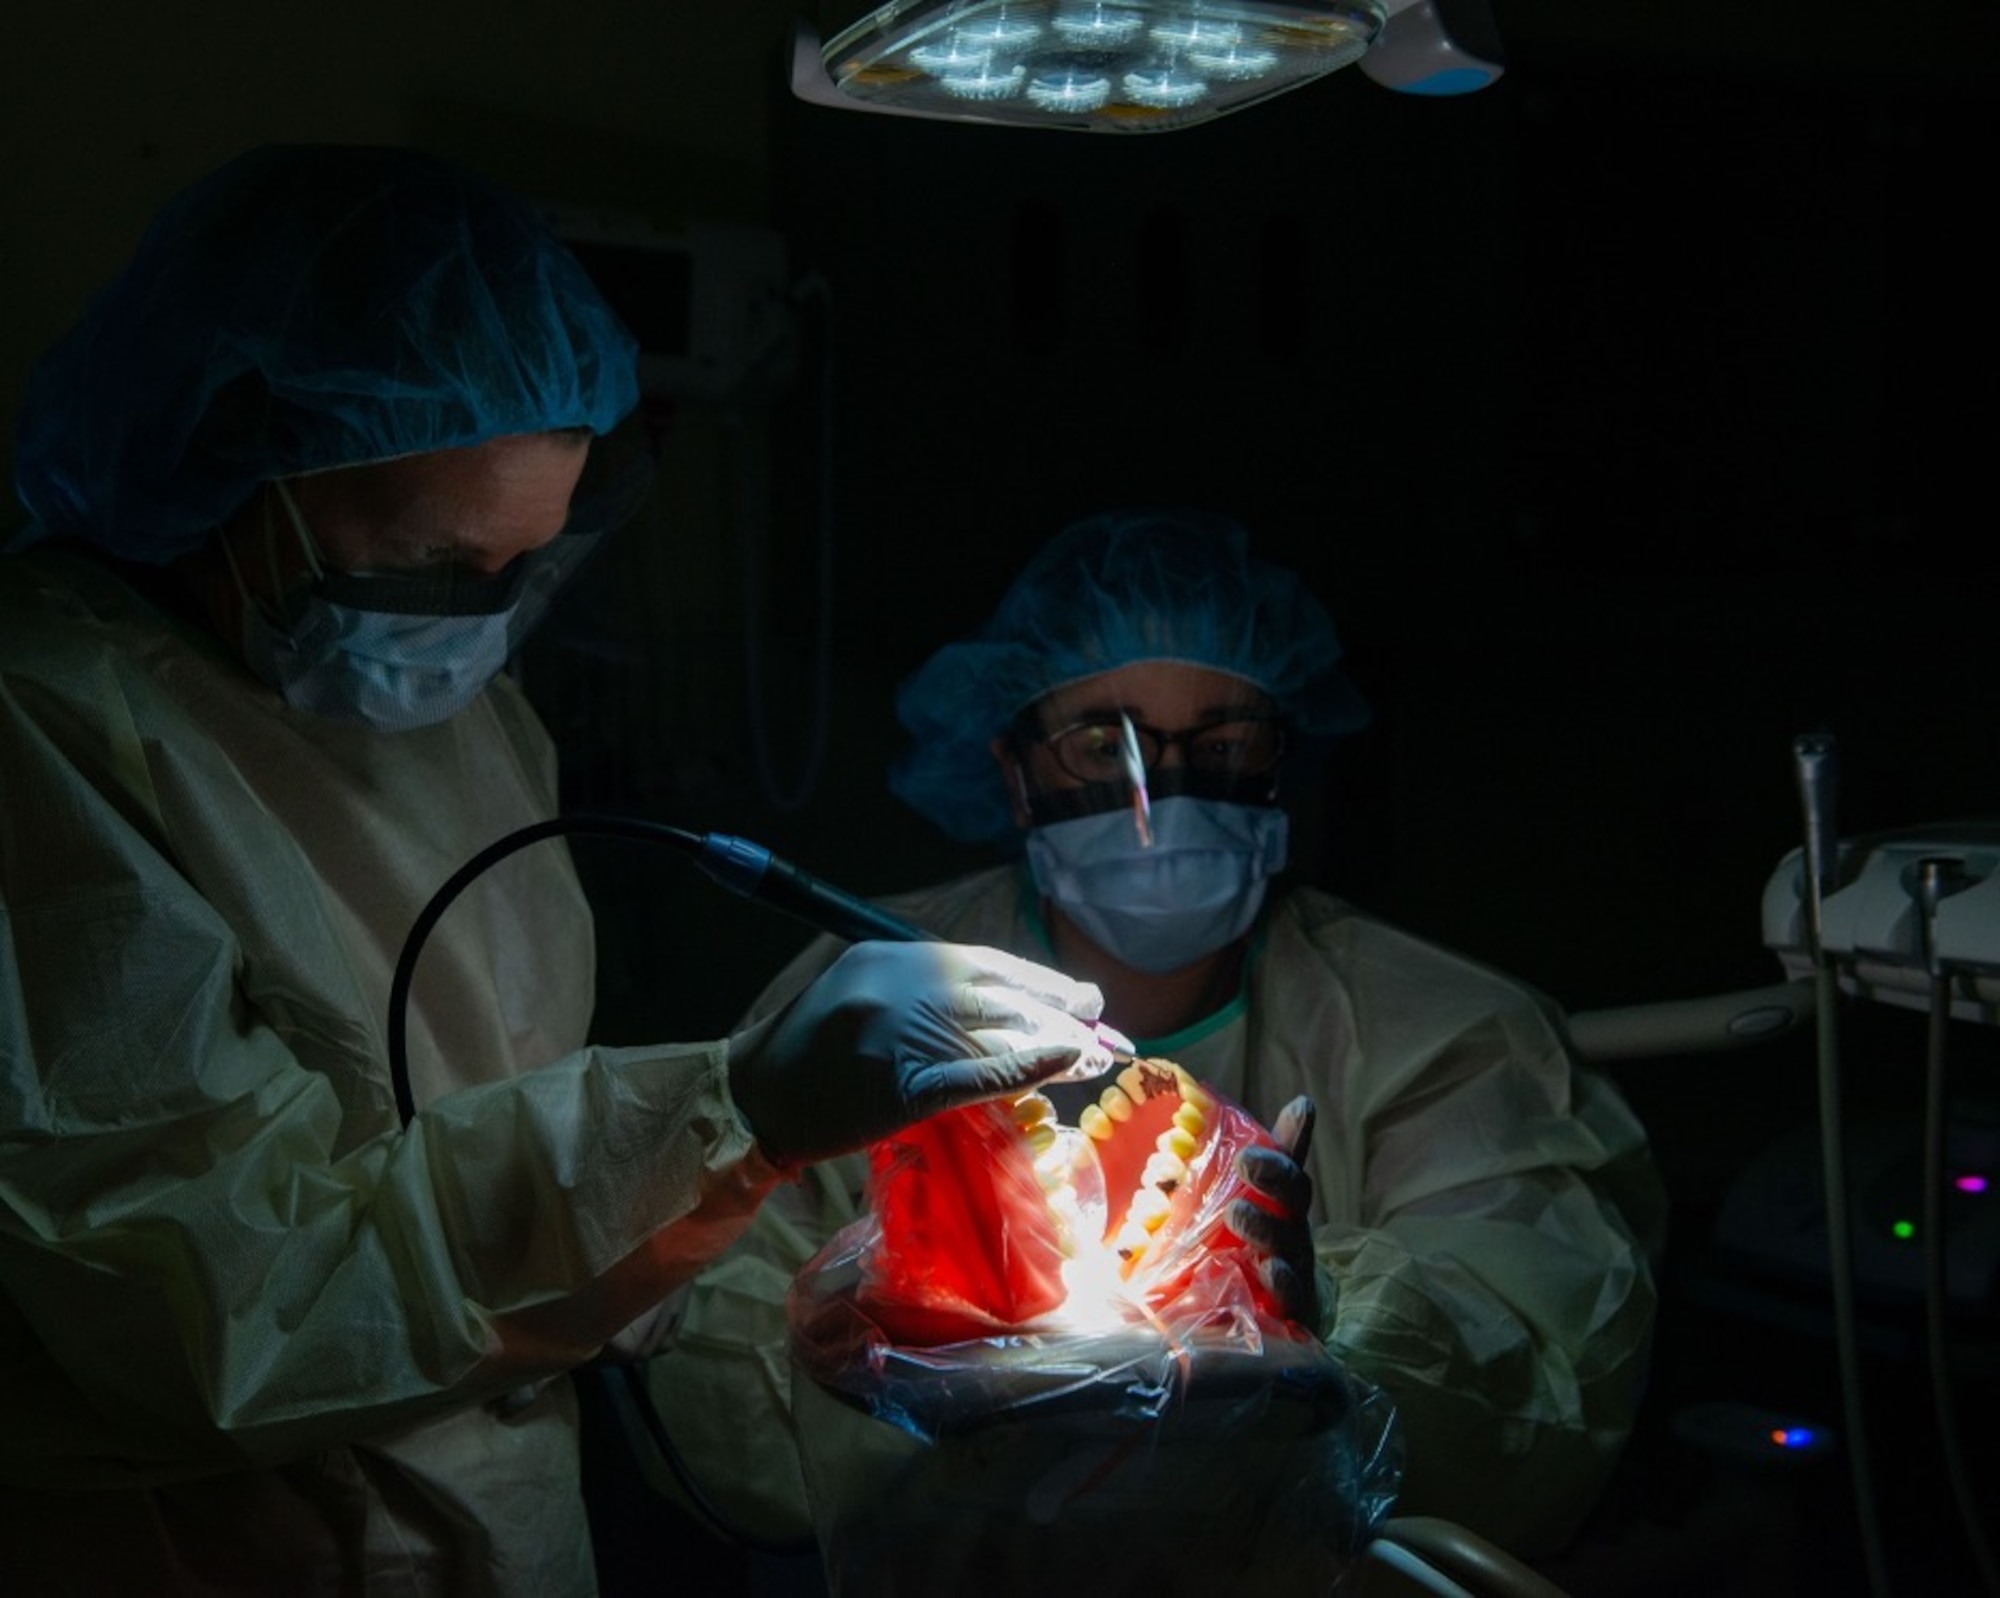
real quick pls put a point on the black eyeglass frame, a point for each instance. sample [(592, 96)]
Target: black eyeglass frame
[(1154, 742)]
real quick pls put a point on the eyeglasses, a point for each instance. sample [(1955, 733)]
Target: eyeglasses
[(1239, 746)]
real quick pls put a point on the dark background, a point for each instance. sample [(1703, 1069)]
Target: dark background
[(1632, 417)]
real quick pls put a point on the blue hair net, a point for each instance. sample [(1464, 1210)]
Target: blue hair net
[(1103, 593), (305, 307)]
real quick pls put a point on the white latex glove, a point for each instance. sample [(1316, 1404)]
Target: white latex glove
[(893, 1032)]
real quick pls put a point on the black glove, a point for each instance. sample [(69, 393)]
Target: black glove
[(893, 1032), (1282, 1234)]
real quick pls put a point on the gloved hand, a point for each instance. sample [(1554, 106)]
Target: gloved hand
[(893, 1032), (1282, 1234)]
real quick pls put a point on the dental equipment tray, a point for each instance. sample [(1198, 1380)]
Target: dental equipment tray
[(1874, 927)]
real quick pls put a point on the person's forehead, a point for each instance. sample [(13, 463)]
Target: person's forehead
[(527, 466), (1163, 692), (495, 494)]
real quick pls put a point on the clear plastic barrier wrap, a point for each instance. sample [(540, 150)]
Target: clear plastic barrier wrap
[(1020, 1373)]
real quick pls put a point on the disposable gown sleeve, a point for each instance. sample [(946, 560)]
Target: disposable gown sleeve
[(721, 1385), (215, 1283), (214, 1256), (1493, 1213)]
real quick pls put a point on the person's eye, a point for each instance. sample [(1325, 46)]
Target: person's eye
[(1095, 748), (412, 560), (1248, 746), (1226, 745)]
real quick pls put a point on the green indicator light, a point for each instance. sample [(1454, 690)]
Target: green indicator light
[(1904, 1230)]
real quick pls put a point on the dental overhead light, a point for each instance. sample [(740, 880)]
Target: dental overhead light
[(1127, 66)]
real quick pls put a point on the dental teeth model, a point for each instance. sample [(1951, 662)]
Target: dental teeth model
[(998, 1217), (1135, 1101)]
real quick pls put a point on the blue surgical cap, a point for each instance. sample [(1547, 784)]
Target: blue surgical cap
[(306, 307), (1103, 593)]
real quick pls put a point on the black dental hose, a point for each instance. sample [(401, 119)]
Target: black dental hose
[(1938, 877), (1815, 767), (743, 867), (738, 864)]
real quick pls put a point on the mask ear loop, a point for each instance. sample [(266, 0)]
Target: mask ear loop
[(307, 542), (1278, 770), (236, 574), (1018, 736), (313, 562), (1018, 764)]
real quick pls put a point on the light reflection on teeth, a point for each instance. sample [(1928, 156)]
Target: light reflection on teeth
[(1150, 1098), (1167, 1167), (1052, 1171), (1066, 1233), (1124, 1217), (1149, 1208)]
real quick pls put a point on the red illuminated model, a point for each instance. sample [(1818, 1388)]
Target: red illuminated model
[(996, 1218)]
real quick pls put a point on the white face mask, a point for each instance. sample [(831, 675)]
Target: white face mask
[(389, 668), (392, 672), (1196, 889)]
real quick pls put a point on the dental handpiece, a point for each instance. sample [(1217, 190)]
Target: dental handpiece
[(743, 867), (752, 870), (1816, 765)]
